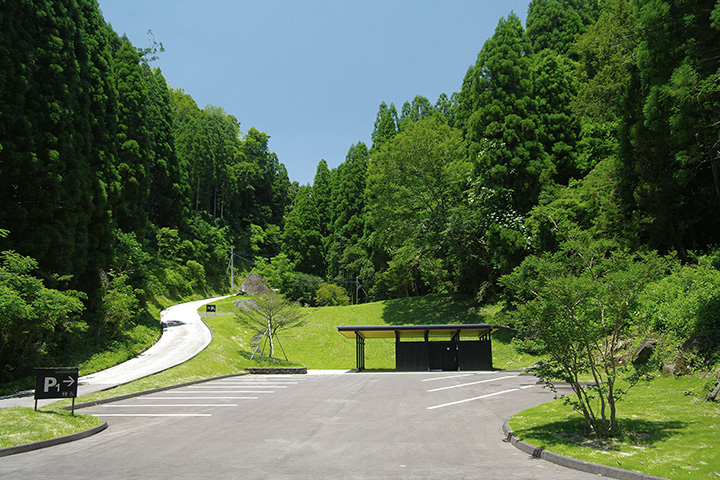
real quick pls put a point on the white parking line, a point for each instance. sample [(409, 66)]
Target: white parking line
[(472, 383), (236, 386), (152, 415), (445, 378), (474, 398), (173, 405), (203, 398), (185, 392)]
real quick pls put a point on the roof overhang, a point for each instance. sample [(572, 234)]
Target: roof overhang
[(416, 331)]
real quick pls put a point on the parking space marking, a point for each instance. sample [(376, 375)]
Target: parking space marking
[(201, 392), (471, 399), (457, 402), (204, 398), (253, 382), (152, 414), (165, 405), (202, 387), (446, 378), (472, 383)]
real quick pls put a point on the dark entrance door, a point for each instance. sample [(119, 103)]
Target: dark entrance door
[(444, 356)]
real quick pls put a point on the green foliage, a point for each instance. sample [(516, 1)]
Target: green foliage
[(120, 307), (301, 288), (414, 180), (302, 238), (576, 306), (669, 121), (330, 295), (278, 272), (32, 316), (683, 307)]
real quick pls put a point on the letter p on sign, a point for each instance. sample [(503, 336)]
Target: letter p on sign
[(50, 382)]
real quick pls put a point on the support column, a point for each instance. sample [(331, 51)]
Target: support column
[(360, 352)]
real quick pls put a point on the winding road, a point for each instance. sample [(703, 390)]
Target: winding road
[(184, 336)]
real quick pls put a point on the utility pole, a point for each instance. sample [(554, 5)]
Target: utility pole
[(232, 269)]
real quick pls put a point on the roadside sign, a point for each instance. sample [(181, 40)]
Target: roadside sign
[(209, 308), (56, 383)]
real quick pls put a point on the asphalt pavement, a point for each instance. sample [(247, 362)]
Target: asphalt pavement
[(318, 426)]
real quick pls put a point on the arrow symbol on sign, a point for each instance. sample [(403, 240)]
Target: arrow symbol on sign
[(69, 381)]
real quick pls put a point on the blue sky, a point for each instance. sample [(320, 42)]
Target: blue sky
[(311, 73)]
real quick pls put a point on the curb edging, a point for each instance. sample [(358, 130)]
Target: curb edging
[(51, 442), (574, 463), (276, 370)]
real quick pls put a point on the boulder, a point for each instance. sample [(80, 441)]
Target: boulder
[(643, 353), (255, 285)]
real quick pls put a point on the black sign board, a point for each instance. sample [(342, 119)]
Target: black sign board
[(209, 308), (56, 383)]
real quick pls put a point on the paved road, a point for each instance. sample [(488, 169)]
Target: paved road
[(338, 425), (184, 336)]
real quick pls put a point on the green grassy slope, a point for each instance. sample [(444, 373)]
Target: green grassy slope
[(318, 345)]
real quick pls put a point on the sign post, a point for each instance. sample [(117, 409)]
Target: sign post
[(56, 383), (210, 308)]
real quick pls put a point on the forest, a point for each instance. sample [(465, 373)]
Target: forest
[(589, 134)]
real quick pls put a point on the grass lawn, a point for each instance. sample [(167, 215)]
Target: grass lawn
[(667, 431), (19, 426)]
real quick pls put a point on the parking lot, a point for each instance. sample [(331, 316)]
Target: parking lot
[(330, 425)]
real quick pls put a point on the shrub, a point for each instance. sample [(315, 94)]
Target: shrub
[(331, 295)]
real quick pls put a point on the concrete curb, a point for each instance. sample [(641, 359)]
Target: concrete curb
[(276, 370), (51, 442), (569, 462)]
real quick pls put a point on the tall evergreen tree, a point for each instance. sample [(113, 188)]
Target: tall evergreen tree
[(348, 204), (413, 112), (386, 125), (501, 118), (670, 125), (134, 158), (166, 186), (52, 93), (302, 240), (555, 24), (557, 127), (322, 192)]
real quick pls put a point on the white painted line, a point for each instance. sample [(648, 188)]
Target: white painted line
[(472, 383), (203, 398), (153, 415), (445, 378), (185, 392), (173, 405), (526, 386), (251, 380), (236, 386), (474, 398), (245, 382)]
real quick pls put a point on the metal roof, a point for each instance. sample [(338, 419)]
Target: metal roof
[(415, 331)]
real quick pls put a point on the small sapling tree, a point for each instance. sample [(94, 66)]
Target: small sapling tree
[(267, 316), (576, 307)]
